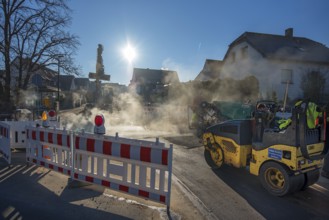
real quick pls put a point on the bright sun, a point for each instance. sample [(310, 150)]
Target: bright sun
[(129, 53)]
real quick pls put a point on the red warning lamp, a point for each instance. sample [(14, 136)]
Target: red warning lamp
[(52, 115), (99, 124), (99, 120)]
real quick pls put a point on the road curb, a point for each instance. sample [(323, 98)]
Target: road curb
[(71, 183), (203, 209)]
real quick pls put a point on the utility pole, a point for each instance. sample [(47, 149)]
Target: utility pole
[(58, 73), (286, 78), (100, 73)]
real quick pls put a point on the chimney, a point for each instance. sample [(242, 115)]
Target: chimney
[(289, 32)]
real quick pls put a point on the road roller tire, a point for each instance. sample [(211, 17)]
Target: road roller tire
[(214, 157), (276, 179), (311, 177), (297, 183)]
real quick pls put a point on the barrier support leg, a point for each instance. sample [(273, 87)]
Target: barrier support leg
[(73, 183), (168, 213), (72, 154), (169, 179)]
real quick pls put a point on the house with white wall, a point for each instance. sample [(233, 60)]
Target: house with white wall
[(279, 62), (276, 60)]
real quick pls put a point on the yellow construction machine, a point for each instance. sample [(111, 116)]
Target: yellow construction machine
[(286, 159)]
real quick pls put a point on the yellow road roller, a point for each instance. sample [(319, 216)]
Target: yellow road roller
[(286, 158)]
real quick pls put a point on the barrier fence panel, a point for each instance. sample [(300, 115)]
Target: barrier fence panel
[(5, 141), (18, 133), (12, 135), (50, 148), (140, 168)]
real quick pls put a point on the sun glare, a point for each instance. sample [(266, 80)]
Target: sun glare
[(129, 53)]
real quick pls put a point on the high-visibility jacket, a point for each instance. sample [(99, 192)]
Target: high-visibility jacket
[(312, 114)]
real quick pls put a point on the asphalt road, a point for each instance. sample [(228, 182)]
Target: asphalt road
[(32, 192), (232, 193), (216, 195), (312, 203)]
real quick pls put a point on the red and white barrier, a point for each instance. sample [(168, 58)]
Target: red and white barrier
[(5, 141), (139, 168), (13, 135), (17, 133), (50, 148)]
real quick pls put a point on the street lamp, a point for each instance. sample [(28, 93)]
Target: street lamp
[(58, 71)]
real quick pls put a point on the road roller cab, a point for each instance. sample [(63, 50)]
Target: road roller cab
[(286, 158)]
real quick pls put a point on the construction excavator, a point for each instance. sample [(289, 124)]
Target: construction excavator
[(205, 114), (285, 158)]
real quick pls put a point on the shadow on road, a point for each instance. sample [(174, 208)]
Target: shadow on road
[(29, 192), (186, 141), (312, 203)]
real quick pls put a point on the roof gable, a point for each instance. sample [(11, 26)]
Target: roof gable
[(81, 82), (45, 72), (211, 70), (284, 47), (66, 82), (145, 76)]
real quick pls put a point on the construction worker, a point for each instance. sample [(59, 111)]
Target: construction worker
[(313, 113), (266, 114)]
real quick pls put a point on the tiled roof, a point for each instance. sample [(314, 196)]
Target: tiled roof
[(283, 47)]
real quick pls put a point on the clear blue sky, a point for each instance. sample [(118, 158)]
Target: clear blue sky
[(181, 34)]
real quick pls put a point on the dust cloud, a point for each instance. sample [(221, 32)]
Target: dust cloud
[(168, 114), (129, 115)]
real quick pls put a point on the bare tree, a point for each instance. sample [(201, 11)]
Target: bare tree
[(312, 84), (34, 36)]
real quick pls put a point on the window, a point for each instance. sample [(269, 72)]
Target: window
[(244, 52), (286, 76)]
